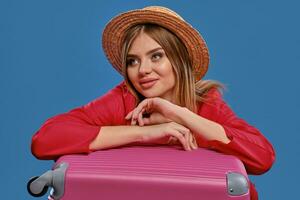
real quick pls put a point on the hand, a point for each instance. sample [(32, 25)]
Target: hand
[(170, 133), (158, 109), (151, 119), (192, 141)]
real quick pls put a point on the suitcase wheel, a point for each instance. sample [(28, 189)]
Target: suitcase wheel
[(43, 192)]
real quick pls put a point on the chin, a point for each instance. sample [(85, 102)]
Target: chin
[(150, 94)]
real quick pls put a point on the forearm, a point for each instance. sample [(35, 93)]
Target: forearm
[(200, 126), (114, 136), (58, 137)]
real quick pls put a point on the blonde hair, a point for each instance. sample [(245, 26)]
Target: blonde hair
[(187, 93)]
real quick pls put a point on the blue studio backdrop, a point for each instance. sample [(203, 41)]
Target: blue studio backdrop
[(51, 61)]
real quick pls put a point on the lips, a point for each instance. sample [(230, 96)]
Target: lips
[(147, 83), (147, 80)]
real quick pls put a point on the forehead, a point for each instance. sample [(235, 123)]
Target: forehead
[(142, 44)]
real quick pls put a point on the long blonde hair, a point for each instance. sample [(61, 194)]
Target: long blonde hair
[(187, 93)]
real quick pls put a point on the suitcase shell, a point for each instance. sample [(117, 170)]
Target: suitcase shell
[(151, 172)]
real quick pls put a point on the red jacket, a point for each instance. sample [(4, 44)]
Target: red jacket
[(72, 132)]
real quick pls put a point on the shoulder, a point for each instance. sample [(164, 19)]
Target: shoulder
[(112, 106), (111, 98), (212, 103), (117, 92), (120, 96), (213, 95)]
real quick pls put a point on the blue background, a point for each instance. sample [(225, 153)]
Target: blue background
[(51, 61)]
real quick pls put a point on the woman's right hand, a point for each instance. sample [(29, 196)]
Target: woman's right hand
[(169, 132)]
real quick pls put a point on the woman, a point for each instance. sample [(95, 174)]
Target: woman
[(162, 100)]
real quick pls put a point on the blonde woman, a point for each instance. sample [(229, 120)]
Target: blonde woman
[(162, 100)]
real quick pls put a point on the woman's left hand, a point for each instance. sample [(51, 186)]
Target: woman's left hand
[(160, 111)]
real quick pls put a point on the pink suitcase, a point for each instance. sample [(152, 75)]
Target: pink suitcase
[(145, 172)]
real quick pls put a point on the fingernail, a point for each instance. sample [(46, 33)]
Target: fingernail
[(188, 148)]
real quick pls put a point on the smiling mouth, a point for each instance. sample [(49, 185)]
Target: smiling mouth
[(148, 84)]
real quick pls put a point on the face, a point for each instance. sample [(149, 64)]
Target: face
[(149, 69)]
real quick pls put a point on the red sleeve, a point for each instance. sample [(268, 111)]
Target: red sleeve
[(72, 132), (247, 142)]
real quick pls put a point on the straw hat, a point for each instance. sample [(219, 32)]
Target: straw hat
[(114, 32)]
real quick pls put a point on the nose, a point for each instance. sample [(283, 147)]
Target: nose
[(145, 68)]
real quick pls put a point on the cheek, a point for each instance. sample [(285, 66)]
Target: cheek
[(131, 75), (170, 74), (172, 79), (167, 71)]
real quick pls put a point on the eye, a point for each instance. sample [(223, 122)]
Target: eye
[(157, 56), (131, 61)]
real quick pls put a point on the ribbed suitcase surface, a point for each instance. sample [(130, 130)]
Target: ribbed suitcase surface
[(156, 172)]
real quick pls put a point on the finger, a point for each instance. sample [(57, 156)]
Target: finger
[(187, 138), (135, 116), (185, 131), (175, 141), (140, 118), (192, 142), (136, 113), (181, 138), (129, 115), (146, 121), (195, 142), (133, 120), (172, 140), (147, 104), (187, 134)]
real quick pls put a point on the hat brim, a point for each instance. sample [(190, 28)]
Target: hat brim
[(114, 32)]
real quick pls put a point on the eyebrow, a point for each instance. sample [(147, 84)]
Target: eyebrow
[(149, 52)]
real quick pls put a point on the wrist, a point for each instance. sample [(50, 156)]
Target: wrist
[(177, 114), (144, 133), (149, 135)]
